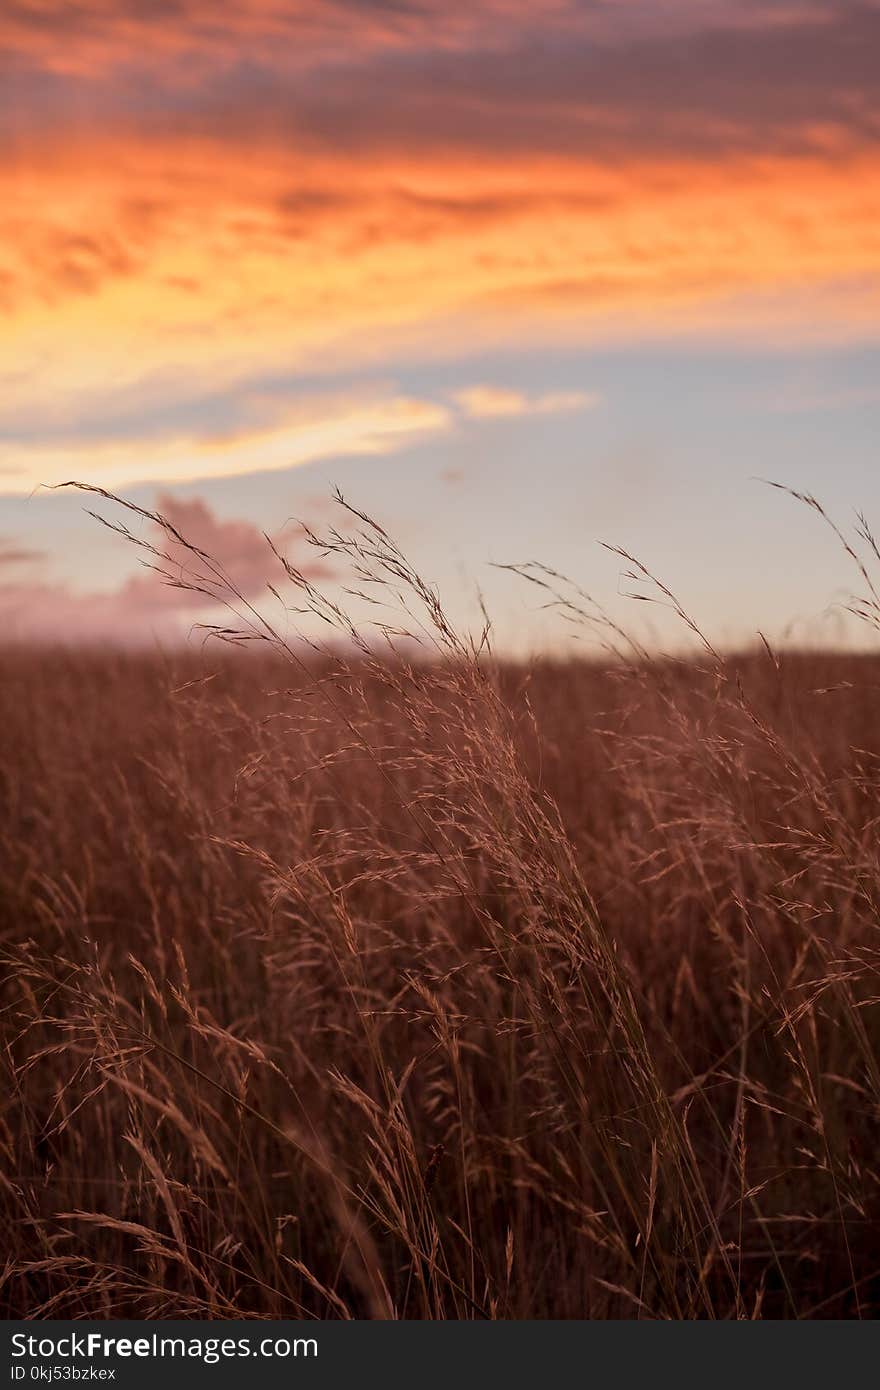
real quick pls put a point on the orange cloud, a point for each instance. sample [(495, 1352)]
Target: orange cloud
[(332, 428), (230, 256), (189, 202), (488, 402), (198, 272)]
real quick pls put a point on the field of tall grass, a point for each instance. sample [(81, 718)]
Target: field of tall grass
[(391, 980)]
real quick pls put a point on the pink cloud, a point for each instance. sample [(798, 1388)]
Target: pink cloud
[(145, 605), (238, 546)]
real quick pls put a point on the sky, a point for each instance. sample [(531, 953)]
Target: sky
[(518, 276)]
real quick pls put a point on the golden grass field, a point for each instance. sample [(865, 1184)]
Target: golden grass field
[(358, 986)]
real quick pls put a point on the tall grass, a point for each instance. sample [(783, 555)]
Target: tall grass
[(379, 978)]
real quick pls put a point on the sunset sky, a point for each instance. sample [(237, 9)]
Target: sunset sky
[(518, 276)]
